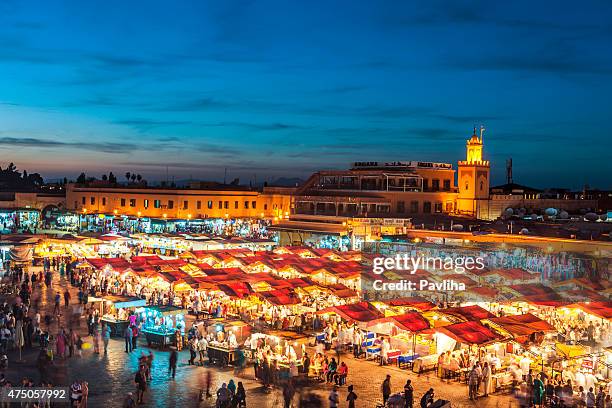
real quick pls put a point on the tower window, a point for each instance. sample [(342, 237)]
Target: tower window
[(481, 185), (466, 185)]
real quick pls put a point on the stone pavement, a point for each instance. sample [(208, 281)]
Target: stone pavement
[(111, 377)]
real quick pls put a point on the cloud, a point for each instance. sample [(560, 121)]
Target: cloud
[(104, 147), (259, 126), (146, 124), (562, 65)]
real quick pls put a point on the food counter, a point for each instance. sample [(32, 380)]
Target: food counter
[(425, 363), (160, 324), (221, 354), (116, 311), (116, 325), (160, 337)]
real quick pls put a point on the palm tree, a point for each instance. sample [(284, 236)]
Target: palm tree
[(133, 177), (127, 176)]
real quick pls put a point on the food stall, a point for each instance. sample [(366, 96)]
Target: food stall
[(116, 310), (160, 324)]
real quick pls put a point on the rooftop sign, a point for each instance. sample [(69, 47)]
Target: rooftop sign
[(404, 164)]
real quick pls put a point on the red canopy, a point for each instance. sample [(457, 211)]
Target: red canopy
[(599, 309), (415, 302), (522, 325), (470, 313), (280, 297), (359, 312), (470, 333), (236, 289), (410, 321)]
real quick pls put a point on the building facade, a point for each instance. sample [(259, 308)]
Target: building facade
[(177, 203), (374, 189)]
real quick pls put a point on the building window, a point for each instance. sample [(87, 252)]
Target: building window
[(414, 207), (170, 204), (466, 186), (103, 201), (226, 205), (435, 185), (265, 207), (157, 203), (92, 200), (449, 207), (210, 204), (123, 202), (83, 200), (132, 202), (427, 207), (185, 205), (146, 203), (425, 184), (481, 185), (246, 205), (253, 204), (446, 185), (198, 205), (220, 205), (383, 208), (401, 207), (438, 207), (235, 205)]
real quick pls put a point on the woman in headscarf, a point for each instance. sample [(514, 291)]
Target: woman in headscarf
[(61, 343), (538, 391)]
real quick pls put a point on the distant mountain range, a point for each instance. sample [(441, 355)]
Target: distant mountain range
[(284, 182)]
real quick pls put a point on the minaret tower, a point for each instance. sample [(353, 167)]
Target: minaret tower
[(473, 179)]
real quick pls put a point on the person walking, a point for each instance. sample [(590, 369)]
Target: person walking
[(56, 307), (96, 340), (172, 363), (351, 397), (222, 396), (333, 397), (135, 334), (408, 394), (386, 389), (538, 391), (240, 397), (106, 332), (202, 345), (192, 350), (288, 393), (141, 383), (208, 383), (127, 334), (66, 298), (473, 380)]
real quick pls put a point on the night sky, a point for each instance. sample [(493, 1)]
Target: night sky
[(284, 88)]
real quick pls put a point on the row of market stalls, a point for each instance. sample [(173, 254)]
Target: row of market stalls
[(115, 222), (414, 333)]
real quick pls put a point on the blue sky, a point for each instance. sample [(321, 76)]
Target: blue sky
[(276, 88)]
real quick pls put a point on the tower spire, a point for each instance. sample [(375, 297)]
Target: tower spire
[(482, 129)]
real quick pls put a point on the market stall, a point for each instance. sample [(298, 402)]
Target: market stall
[(116, 311), (162, 325)]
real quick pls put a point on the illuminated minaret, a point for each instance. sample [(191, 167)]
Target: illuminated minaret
[(473, 179)]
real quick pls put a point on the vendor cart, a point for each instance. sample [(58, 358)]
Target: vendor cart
[(161, 323)]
